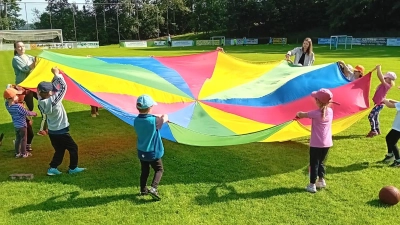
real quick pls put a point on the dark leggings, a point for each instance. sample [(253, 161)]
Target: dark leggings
[(29, 99), (158, 172), (391, 141), (317, 168), (29, 131)]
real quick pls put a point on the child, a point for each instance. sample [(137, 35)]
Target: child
[(29, 120), (387, 82), (149, 144), (321, 136), (393, 136), (18, 114), (50, 103), (358, 71), (94, 111)]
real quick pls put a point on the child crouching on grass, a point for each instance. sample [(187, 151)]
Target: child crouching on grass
[(18, 114), (321, 136), (50, 103), (149, 144)]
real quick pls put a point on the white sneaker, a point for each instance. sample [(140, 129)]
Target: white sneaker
[(311, 188), (321, 184)]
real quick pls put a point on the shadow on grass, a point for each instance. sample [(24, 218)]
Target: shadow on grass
[(378, 204), (107, 150), (214, 197), (347, 137), (349, 168), (72, 200)]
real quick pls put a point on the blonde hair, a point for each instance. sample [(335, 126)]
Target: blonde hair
[(323, 107)]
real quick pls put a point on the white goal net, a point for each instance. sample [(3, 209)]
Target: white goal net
[(8, 37), (341, 42)]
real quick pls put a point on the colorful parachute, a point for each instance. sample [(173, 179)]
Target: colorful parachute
[(212, 98)]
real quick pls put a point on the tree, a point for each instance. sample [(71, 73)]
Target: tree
[(9, 13)]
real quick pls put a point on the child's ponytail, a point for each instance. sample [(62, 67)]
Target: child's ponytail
[(323, 110)]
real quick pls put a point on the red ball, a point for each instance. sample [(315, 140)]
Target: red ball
[(389, 195)]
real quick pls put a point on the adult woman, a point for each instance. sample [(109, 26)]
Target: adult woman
[(304, 55), (23, 64)]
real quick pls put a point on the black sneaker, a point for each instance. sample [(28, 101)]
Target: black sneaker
[(145, 192), (154, 193), (395, 164), (388, 158)]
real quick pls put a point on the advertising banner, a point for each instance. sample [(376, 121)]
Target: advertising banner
[(393, 42), (373, 41), (133, 44), (87, 44), (182, 43), (281, 41), (50, 46), (207, 42), (160, 43)]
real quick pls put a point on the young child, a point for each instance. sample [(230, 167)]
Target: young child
[(351, 73), (387, 82), (321, 136), (94, 111), (393, 136), (50, 103), (149, 144), (29, 120), (18, 114)]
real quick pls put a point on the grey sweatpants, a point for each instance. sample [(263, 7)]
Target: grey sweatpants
[(20, 140)]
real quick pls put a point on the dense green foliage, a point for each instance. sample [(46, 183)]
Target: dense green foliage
[(142, 19)]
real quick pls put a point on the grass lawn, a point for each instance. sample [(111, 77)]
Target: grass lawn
[(259, 183)]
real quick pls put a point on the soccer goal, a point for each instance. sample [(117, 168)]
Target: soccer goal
[(8, 37), (220, 39), (341, 42)]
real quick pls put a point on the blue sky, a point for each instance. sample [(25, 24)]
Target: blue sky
[(40, 5)]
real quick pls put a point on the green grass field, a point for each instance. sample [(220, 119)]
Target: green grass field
[(259, 183)]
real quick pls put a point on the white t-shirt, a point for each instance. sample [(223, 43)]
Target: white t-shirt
[(396, 122)]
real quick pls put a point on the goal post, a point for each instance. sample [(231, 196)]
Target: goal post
[(337, 41), (30, 36), (221, 38)]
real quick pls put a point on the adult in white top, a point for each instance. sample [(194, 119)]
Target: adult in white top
[(303, 56)]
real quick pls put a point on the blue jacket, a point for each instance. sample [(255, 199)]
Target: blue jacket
[(149, 143)]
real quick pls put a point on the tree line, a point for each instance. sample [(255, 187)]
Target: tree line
[(146, 19)]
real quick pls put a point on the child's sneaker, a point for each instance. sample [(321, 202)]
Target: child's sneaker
[(26, 155), (311, 188), (18, 155), (372, 134), (321, 184), (29, 148), (53, 171), (396, 163), (154, 193), (76, 170), (145, 192), (388, 157)]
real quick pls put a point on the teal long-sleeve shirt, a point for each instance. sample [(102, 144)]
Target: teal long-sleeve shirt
[(21, 67)]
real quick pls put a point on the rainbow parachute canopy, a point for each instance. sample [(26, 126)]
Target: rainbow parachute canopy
[(212, 98)]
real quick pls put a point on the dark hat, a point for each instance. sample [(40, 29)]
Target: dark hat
[(46, 87)]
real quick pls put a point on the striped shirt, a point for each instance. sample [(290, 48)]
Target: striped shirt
[(18, 114)]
